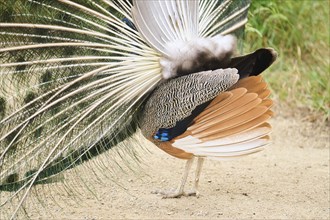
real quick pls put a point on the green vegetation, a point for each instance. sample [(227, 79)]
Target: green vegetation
[(299, 31)]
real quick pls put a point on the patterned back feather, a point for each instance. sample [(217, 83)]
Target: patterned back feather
[(75, 74), (189, 92)]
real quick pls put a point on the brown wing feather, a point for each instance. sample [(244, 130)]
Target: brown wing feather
[(258, 88), (264, 94), (227, 124), (234, 111), (248, 82), (217, 105), (260, 121), (238, 107)]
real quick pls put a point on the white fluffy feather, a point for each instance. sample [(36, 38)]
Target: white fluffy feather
[(186, 55)]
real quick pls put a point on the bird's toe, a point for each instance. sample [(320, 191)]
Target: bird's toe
[(168, 194), (192, 193)]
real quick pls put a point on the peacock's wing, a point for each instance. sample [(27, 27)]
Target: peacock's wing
[(234, 124), (215, 118), (74, 75)]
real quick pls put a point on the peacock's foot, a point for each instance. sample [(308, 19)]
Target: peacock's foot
[(192, 193), (168, 193), (174, 194)]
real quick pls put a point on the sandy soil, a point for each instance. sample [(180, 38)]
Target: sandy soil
[(290, 180)]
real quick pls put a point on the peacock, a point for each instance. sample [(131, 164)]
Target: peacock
[(80, 77)]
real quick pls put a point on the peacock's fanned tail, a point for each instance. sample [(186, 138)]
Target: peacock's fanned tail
[(74, 75)]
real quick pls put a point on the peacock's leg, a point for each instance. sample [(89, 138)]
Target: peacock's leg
[(179, 191), (195, 191)]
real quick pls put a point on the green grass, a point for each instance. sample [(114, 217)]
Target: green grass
[(299, 31)]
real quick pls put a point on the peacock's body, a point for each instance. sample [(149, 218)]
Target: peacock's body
[(79, 77)]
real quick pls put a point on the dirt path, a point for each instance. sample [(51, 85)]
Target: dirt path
[(290, 180)]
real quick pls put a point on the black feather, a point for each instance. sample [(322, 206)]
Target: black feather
[(254, 63)]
